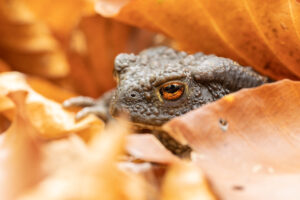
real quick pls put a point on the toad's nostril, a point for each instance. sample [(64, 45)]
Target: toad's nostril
[(133, 95)]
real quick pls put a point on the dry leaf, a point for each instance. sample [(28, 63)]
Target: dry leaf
[(47, 116), (94, 45), (278, 29), (185, 181), (20, 153), (95, 175), (248, 142), (245, 31), (148, 148), (26, 44), (3, 66), (49, 90), (4, 123), (61, 16)]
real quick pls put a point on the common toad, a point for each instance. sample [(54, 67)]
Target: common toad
[(161, 83)]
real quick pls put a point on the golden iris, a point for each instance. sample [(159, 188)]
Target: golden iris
[(172, 90)]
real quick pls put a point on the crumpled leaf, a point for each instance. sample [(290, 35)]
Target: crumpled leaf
[(61, 16), (3, 66), (246, 31), (4, 123), (63, 153), (95, 175), (185, 181), (68, 168), (20, 153), (93, 47), (49, 90), (26, 44), (66, 42), (47, 116), (248, 142)]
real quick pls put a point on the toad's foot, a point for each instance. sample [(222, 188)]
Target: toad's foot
[(90, 106)]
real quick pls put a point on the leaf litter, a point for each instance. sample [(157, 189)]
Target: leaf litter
[(46, 154)]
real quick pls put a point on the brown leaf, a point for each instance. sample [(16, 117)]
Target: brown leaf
[(185, 181), (61, 16), (95, 175), (245, 31), (20, 153), (47, 116), (3, 66), (277, 27), (247, 142), (109, 8), (147, 147), (26, 44), (63, 153), (295, 14), (4, 123), (48, 89), (94, 45)]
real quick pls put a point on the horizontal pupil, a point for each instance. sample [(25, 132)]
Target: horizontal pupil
[(171, 88)]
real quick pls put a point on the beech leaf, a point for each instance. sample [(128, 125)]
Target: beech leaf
[(26, 44), (20, 153), (46, 115), (264, 35), (247, 143)]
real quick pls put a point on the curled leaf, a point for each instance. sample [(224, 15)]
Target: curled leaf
[(61, 16), (49, 90), (93, 47), (248, 142), (245, 31), (185, 181), (27, 44), (20, 153), (94, 175), (47, 116), (3, 66)]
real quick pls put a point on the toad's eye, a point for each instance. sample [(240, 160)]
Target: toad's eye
[(171, 91)]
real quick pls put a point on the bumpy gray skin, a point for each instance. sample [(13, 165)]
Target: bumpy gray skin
[(139, 78), (207, 78)]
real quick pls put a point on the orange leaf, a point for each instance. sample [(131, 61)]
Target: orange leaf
[(147, 147), (3, 66), (185, 181), (94, 175), (21, 155), (245, 31), (94, 45), (248, 142), (47, 116), (61, 16), (277, 29), (49, 90), (26, 44)]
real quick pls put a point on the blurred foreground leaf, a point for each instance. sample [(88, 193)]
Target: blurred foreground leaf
[(47, 116), (26, 44), (20, 153), (247, 142)]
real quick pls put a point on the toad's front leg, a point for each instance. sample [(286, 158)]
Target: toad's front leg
[(98, 107)]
